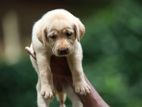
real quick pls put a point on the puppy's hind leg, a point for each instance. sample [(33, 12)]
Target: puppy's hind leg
[(61, 97)]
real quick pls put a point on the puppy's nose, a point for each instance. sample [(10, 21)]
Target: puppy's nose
[(63, 51)]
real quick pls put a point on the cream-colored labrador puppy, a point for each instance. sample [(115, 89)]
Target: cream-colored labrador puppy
[(58, 33)]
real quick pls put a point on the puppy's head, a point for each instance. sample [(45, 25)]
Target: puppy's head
[(60, 30)]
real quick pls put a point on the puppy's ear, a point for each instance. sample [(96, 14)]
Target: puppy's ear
[(42, 36), (41, 31), (79, 29)]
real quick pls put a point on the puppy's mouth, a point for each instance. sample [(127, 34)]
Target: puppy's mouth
[(63, 55), (62, 52)]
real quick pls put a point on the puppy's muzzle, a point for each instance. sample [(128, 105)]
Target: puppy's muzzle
[(63, 51)]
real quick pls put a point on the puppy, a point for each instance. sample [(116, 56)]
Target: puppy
[(58, 33)]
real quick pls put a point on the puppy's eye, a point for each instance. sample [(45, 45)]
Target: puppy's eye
[(52, 37), (68, 34)]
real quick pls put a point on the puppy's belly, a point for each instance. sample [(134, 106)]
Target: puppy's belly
[(61, 73)]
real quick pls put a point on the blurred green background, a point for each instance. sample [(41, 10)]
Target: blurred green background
[(112, 49)]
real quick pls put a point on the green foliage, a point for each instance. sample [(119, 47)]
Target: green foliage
[(17, 84), (114, 57)]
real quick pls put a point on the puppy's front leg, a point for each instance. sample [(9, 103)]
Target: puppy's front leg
[(45, 75), (75, 64)]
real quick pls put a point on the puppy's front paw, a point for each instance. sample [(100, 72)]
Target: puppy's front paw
[(82, 88), (47, 92)]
